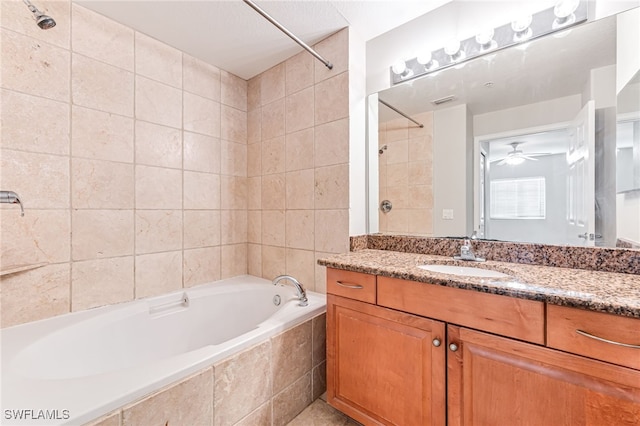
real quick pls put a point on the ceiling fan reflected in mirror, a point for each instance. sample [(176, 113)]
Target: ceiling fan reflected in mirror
[(517, 156)]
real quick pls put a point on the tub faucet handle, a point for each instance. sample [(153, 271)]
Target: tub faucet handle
[(10, 197), (302, 294)]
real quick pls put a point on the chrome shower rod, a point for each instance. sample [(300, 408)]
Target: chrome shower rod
[(304, 45), (400, 112)]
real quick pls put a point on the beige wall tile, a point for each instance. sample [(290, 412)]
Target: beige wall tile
[(158, 273), (101, 38), (273, 155), (101, 135), (399, 196), (420, 173), (201, 153), (300, 189), (158, 145), (398, 221), (254, 193), (273, 261), (332, 231), (159, 103), (273, 120), (158, 188), (233, 158), (254, 226), (319, 339), (201, 115), (321, 273), (100, 86), (234, 260), (101, 233), (420, 196), (272, 84), (234, 193), (242, 384), (158, 61), (420, 221), (330, 101), (32, 123), (234, 226), (290, 356), (300, 264), (300, 229), (185, 403), (158, 230), (97, 184), (101, 282), (291, 401), (254, 93), (319, 381), (234, 91), (397, 152), (201, 228), (273, 192), (12, 17), (201, 190), (260, 417), (398, 174), (332, 188), (254, 125), (201, 266), (34, 67), (254, 159), (201, 78), (421, 148), (335, 47), (299, 150), (426, 118), (41, 180), (35, 294), (39, 236), (273, 227), (397, 129), (299, 72), (254, 260), (299, 110), (233, 126), (332, 143)]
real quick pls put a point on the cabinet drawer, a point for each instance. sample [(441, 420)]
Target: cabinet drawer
[(354, 285), (597, 335), (507, 316)]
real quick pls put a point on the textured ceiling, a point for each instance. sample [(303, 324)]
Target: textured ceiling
[(232, 36)]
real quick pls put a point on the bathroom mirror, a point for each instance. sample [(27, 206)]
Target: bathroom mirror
[(520, 145)]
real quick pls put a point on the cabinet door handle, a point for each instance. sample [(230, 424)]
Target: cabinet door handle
[(602, 339), (349, 285), (453, 347), (436, 342)]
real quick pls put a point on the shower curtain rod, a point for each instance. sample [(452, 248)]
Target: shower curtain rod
[(400, 112), (289, 33)]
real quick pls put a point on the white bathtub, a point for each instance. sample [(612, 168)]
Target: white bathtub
[(82, 365)]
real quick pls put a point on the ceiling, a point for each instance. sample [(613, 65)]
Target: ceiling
[(234, 37)]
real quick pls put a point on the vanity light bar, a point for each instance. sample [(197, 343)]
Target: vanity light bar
[(522, 30)]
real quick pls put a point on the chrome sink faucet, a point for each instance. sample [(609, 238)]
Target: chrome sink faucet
[(302, 295), (466, 253)]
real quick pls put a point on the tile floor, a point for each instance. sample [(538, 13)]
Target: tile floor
[(319, 413)]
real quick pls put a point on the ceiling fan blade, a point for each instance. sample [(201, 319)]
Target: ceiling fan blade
[(503, 161), (527, 157)]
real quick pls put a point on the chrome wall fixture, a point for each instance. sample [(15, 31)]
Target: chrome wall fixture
[(10, 197), (43, 21), (304, 45), (564, 14)]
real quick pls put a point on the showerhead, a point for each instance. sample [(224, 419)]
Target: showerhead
[(44, 21)]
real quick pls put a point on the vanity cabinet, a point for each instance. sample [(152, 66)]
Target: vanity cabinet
[(420, 354)]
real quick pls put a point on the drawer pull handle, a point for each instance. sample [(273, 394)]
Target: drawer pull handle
[(349, 285), (601, 339)]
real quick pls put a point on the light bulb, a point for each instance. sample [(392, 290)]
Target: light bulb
[(424, 58), (514, 161), (565, 8), (452, 47), (485, 37), (521, 28), (399, 67)]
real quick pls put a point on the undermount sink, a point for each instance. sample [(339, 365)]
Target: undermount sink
[(466, 271)]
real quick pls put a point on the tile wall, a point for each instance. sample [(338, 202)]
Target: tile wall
[(298, 164), (130, 157), (406, 175)]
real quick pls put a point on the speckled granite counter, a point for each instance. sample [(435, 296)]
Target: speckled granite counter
[(610, 292)]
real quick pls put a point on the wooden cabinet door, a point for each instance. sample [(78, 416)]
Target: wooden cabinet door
[(498, 381), (383, 367)]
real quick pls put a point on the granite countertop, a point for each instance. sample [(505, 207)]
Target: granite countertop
[(609, 292)]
